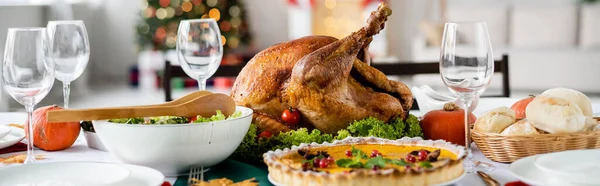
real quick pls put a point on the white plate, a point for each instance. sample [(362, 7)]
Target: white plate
[(524, 170), (15, 136), (580, 166), (4, 130), (65, 174), (142, 176), (441, 184)]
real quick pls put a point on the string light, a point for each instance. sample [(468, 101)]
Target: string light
[(204, 16), (234, 42), (143, 5), (171, 40), (236, 22), (223, 40), (211, 3), (144, 29), (199, 9), (161, 13), (330, 4), (148, 13), (225, 26), (215, 14), (234, 11), (170, 12), (187, 6), (175, 3), (160, 33), (164, 3), (196, 2)]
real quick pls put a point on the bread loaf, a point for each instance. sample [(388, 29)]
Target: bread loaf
[(495, 120), (556, 115), (521, 127), (580, 99)]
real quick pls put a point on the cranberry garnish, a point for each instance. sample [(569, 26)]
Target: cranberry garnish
[(305, 165), (422, 155), (375, 153), (410, 158), (323, 163), (375, 168), (331, 160), (316, 162), (349, 153)]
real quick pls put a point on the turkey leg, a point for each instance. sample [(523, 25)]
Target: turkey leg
[(323, 67)]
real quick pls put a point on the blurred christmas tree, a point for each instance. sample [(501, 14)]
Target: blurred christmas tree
[(160, 20)]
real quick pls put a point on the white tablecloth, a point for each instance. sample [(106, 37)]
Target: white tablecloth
[(80, 152)]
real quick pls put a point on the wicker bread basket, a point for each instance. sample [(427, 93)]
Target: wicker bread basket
[(507, 149)]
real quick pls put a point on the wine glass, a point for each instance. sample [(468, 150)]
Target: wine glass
[(27, 72), (466, 67), (199, 49), (70, 51)]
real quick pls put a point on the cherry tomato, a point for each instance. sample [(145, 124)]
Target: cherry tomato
[(422, 155), (516, 183), (291, 116), (265, 134), (192, 119), (410, 158)]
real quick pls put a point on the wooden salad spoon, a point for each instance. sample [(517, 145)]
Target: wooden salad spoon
[(205, 105)]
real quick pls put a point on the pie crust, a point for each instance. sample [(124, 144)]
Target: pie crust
[(282, 172)]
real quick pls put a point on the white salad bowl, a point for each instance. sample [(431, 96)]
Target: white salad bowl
[(173, 148)]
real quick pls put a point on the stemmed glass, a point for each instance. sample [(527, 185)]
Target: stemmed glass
[(199, 49), (27, 72), (466, 67), (70, 51)]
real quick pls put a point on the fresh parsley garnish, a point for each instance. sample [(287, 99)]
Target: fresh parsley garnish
[(359, 153), (425, 164), (376, 161), (400, 162), (349, 163)]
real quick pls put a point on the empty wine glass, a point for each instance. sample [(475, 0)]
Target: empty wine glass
[(70, 51), (27, 72), (466, 67), (199, 49)]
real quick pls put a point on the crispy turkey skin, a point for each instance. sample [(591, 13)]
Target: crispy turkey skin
[(324, 78)]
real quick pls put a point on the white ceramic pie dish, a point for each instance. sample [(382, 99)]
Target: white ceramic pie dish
[(172, 149)]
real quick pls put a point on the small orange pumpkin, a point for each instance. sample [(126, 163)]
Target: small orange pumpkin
[(447, 124), (520, 106), (52, 136)]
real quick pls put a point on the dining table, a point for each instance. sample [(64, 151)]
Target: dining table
[(80, 152)]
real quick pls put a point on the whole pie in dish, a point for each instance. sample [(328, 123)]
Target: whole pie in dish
[(367, 161)]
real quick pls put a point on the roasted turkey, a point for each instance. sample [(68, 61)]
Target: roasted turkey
[(328, 80)]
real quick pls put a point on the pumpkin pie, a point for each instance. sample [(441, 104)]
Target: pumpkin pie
[(367, 161)]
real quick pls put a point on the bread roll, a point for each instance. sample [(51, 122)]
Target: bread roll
[(522, 127), (556, 115), (574, 96), (495, 120)]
